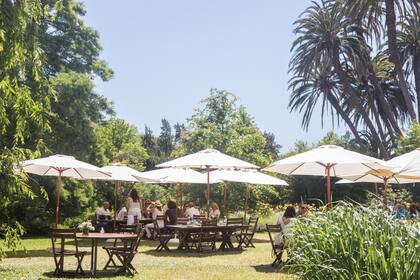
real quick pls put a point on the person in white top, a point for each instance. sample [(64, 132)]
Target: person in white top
[(154, 210), (104, 212), (121, 214), (191, 211), (214, 212), (286, 222), (133, 206)]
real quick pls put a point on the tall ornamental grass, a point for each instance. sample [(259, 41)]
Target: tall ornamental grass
[(349, 242)]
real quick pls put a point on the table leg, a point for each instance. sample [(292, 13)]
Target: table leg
[(96, 256), (92, 257), (182, 239)]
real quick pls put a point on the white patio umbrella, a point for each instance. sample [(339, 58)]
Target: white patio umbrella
[(247, 176), (327, 160), (62, 166), (406, 170), (208, 159)]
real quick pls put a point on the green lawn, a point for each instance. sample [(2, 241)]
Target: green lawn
[(37, 263)]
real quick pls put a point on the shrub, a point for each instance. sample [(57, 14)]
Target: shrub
[(349, 242)]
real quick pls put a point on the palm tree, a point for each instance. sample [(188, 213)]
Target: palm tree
[(373, 13), (323, 37), (408, 42), (321, 85)]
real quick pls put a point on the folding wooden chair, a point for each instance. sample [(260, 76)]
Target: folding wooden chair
[(246, 236), (126, 255), (277, 248), (182, 220), (58, 238), (122, 228), (206, 236), (162, 235)]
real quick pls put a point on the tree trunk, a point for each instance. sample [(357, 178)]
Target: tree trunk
[(336, 104), (416, 66), (394, 56), (355, 100)]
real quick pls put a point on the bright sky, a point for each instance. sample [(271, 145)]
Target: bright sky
[(168, 54)]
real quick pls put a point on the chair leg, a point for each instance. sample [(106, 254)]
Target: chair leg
[(79, 265)]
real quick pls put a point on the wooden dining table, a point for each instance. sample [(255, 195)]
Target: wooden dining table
[(95, 237), (184, 232)]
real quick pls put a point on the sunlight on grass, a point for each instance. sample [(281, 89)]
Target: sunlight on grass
[(252, 263)]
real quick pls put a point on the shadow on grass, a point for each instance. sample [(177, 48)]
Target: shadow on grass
[(29, 254), (190, 254), (99, 275), (266, 268)]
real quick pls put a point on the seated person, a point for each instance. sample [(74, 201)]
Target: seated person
[(154, 212), (171, 213), (144, 212), (400, 212), (286, 223), (302, 211), (122, 213), (214, 212), (191, 211), (102, 217)]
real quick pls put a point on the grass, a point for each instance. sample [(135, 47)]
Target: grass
[(252, 263)]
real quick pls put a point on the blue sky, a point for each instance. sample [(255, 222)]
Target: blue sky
[(168, 54)]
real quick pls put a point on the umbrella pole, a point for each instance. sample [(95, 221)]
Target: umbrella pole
[(246, 201), (208, 186), (376, 189), (57, 209), (225, 199), (385, 192), (115, 201), (329, 185)]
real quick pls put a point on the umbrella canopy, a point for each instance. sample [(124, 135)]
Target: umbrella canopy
[(375, 178), (62, 166), (250, 176), (174, 175), (407, 164), (327, 160), (208, 159)]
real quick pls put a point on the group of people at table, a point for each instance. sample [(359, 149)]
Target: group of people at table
[(135, 209)]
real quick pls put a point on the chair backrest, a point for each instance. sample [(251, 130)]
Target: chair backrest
[(59, 236), (136, 242), (199, 217), (252, 224), (235, 221), (127, 228), (272, 229), (157, 223), (208, 223), (182, 220)]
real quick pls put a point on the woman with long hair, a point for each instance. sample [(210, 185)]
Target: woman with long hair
[(133, 204)]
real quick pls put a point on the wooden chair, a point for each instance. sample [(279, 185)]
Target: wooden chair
[(199, 217), (126, 255), (246, 236), (277, 248), (122, 228), (206, 236), (162, 236), (182, 220), (58, 239)]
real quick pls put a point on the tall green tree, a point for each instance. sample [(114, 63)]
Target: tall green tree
[(25, 105), (226, 126), (165, 140)]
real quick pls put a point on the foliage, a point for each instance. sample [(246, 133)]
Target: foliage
[(227, 127), (345, 243), (355, 62), (24, 105)]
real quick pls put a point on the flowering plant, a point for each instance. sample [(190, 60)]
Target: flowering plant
[(86, 226)]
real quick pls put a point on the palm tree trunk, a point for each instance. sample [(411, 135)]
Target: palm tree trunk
[(394, 56), (336, 104), (416, 66), (355, 101)]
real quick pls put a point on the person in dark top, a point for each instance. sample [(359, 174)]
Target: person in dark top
[(171, 213)]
